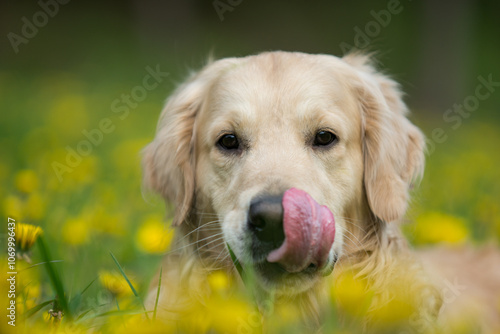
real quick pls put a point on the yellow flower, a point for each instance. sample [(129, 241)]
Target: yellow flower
[(195, 321), (26, 235), (13, 207), (233, 315), (288, 312), (352, 294), (218, 280), (148, 327), (396, 312), (26, 181), (75, 231), (435, 227), (115, 283), (153, 236)]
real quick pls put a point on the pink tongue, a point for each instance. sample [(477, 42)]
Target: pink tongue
[(309, 232)]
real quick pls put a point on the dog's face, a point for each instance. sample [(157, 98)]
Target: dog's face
[(293, 153), (268, 127)]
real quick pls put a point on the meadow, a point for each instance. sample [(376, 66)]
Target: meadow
[(103, 240), (81, 97)]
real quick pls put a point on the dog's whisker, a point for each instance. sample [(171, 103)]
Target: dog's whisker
[(203, 226), (224, 250), (355, 240), (223, 263), (194, 243), (209, 252), (211, 242), (352, 222), (207, 238), (207, 215)]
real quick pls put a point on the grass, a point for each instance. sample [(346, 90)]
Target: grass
[(97, 214), (130, 285)]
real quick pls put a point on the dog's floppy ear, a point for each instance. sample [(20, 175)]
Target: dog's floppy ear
[(393, 146), (169, 160)]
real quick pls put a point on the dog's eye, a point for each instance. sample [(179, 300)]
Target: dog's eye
[(324, 138), (229, 142)]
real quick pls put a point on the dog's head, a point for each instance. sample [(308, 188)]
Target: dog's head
[(289, 155)]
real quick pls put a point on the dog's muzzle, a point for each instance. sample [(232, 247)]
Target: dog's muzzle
[(292, 230)]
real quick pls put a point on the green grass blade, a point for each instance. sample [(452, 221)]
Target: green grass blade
[(55, 279), (120, 313), (88, 286), (75, 301), (247, 274), (83, 314), (39, 264), (124, 275), (32, 311), (236, 262), (129, 283), (157, 294)]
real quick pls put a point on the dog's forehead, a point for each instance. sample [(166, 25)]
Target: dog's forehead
[(272, 81), (283, 88)]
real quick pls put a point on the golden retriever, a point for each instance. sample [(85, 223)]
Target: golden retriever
[(300, 164)]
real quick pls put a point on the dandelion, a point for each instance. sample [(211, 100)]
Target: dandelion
[(152, 236), (395, 312), (352, 294), (436, 227), (115, 283), (228, 314), (142, 327), (26, 235), (218, 281), (13, 206), (75, 232), (26, 181)]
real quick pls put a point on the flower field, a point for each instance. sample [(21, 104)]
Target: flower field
[(71, 168)]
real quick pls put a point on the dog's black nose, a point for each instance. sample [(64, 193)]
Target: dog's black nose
[(265, 219)]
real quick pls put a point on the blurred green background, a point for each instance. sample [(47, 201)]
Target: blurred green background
[(63, 76)]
